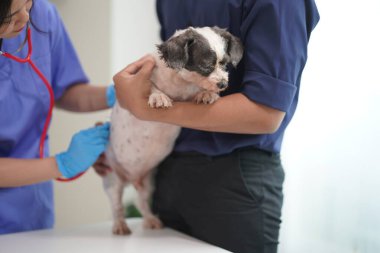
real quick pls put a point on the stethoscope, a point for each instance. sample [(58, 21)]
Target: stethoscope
[(47, 84)]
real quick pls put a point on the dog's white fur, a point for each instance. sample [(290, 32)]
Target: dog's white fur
[(137, 147)]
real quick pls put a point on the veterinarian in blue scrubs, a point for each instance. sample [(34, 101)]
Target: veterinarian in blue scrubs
[(223, 182), (26, 193)]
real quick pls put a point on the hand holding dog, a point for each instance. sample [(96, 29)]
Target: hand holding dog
[(133, 85)]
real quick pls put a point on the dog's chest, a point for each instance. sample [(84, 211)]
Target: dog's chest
[(137, 145), (170, 83)]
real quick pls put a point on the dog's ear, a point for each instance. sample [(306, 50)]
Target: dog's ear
[(175, 51), (234, 47), (235, 50)]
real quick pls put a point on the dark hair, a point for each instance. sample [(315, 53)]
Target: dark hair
[(5, 9), (5, 12)]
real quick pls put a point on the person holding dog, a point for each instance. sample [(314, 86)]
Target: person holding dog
[(26, 192), (223, 181)]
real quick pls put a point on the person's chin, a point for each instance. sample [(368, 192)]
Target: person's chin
[(11, 35), (20, 29)]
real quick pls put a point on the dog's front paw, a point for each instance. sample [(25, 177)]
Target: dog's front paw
[(152, 222), (206, 97), (159, 100), (120, 228)]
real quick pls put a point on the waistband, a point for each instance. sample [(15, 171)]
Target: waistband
[(251, 149)]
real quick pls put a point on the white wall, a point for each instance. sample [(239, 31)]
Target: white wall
[(107, 35), (331, 149), (135, 31), (88, 23)]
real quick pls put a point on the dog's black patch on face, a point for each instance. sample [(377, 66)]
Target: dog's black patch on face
[(234, 47), (189, 50), (202, 59), (174, 51)]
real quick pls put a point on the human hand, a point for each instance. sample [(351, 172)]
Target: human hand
[(133, 85), (100, 166), (84, 150)]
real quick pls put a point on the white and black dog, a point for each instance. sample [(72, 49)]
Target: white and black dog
[(191, 65)]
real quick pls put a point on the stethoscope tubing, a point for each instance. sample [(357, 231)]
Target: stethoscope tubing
[(48, 86)]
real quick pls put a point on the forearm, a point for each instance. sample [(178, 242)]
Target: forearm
[(234, 114), (84, 98), (20, 172)]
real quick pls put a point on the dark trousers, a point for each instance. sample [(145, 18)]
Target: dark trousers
[(232, 201)]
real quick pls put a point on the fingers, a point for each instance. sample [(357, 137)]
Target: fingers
[(100, 167), (98, 131), (147, 68), (141, 68), (101, 170), (100, 128), (133, 84), (134, 67), (105, 126), (103, 131), (98, 135)]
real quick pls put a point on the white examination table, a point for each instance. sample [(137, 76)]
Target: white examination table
[(98, 238)]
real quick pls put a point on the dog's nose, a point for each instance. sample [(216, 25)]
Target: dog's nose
[(222, 85)]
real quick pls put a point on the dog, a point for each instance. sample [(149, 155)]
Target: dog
[(191, 65)]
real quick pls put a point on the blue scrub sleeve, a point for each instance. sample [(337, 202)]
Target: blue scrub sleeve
[(275, 40), (65, 64)]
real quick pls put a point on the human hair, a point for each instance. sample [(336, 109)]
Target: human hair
[(5, 9), (5, 12)]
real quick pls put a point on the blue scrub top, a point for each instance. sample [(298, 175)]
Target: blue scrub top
[(24, 104), (275, 35)]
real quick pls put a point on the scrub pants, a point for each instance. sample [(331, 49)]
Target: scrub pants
[(232, 201)]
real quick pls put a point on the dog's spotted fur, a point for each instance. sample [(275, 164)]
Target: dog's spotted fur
[(189, 66)]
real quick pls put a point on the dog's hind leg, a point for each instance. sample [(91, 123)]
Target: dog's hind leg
[(114, 188), (144, 191)]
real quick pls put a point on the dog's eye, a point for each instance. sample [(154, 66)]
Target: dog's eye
[(223, 62)]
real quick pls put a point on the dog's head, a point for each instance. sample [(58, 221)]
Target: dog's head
[(202, 54)]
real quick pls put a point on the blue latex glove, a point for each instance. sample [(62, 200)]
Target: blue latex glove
[(84, 150), (111, 96)]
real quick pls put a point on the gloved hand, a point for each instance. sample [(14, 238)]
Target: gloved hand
[(84, 150), (111, 96)]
